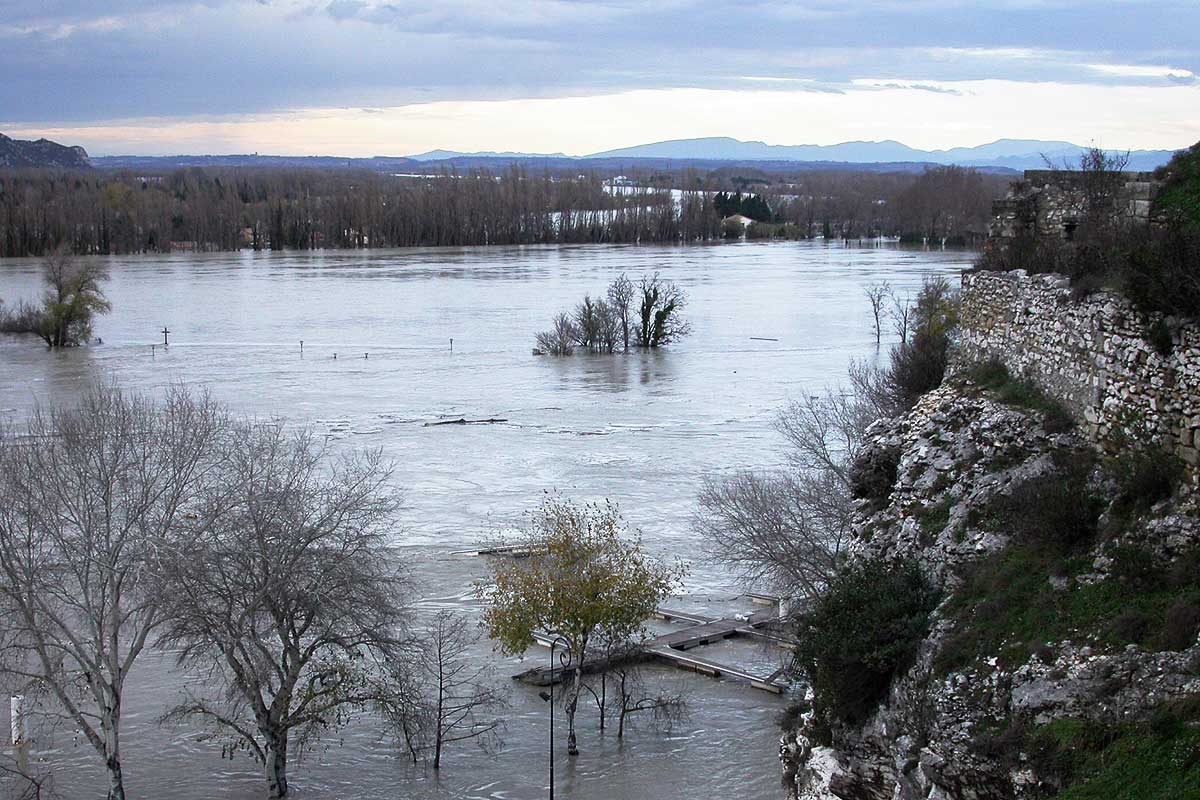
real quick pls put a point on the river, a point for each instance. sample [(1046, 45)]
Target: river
[(771, 321)]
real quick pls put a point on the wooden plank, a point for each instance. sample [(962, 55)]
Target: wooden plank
[(716, 669), (672, 615)]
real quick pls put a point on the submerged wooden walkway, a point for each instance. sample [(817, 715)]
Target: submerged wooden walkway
[(672, 648)]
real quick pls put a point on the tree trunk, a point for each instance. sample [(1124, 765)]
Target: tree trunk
[(110, 730), (276, 764), (572, 704), (116, 785)]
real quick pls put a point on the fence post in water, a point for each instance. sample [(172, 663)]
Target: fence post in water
[(452, 345), (302, 348), (16, 707)]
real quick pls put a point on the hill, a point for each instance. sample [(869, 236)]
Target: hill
[(41, 153)]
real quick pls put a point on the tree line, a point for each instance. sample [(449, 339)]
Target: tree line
[(42, 211)]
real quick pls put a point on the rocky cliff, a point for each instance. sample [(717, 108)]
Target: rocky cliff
[(41, 153), (1062, 657)]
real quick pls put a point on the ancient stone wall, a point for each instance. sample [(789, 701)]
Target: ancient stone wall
[(1090, 354), (1051, 203)]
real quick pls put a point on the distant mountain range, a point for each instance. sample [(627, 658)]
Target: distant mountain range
[(41, 153), (1002, 156), (443, 155), (1015, 154)]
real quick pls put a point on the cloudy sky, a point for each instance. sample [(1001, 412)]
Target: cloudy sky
[(393, 77)]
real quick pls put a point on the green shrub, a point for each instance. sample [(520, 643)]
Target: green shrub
[(1158, 759), (1145, 474), (1133, 566), (1158, 334), (1054, 513), (993, 376), (1180, 625), (861, 633), (933, 519)]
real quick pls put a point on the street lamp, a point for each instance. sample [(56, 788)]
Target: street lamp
[(564, 660)]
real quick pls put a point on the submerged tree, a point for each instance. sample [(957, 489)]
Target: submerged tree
[(589, 579), (877, 295), (620, 298), (660, 306), (440, 699), (600, 324), (632, 695), (73, 297), (90, 497), (289, 600)]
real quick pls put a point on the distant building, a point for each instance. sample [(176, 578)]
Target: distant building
[(740, 219)]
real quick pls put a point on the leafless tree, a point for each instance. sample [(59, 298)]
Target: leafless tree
[(790, 528), (448, 700), (90, 496), (660, 306), (621, 293), (877, 295), (559, 340), (901, 314), (25, 782), (288, 601), (622, 669)]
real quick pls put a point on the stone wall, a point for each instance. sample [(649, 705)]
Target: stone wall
[(1090, 354), (1051, 203)]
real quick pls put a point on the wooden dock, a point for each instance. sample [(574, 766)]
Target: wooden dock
[(672, 648)]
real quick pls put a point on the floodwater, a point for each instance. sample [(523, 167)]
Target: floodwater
[(771, 321)]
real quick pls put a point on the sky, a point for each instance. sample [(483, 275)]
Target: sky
[(394, 77)]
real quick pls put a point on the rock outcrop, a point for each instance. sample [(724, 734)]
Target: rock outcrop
[(42, 153), (925, 482)]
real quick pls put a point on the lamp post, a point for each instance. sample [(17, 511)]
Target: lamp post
[(564, 659)]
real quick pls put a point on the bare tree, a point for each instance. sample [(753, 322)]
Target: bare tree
[(620, 298), (90, 496), (661, 303), (587, 323), (877, 295), (790, 528), (449, 700), (637, 699), (289, 600), (901, 314), (559, 340), (621, 662)]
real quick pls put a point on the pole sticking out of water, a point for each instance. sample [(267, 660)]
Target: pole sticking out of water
[(302, 348), (451, 345), (366, 355), (20, 734)]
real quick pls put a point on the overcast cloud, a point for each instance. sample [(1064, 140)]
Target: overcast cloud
[(176, 68)]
